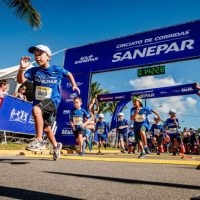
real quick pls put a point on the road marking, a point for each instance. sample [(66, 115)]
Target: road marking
[(128, 160)]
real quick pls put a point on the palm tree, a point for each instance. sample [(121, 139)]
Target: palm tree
[(96, 90), (24, 10)]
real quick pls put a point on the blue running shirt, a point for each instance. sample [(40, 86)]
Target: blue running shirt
[(101, 128), (123, 122), (170, 124), (78, 116), (156, 129), (46, 82), (142, 117)]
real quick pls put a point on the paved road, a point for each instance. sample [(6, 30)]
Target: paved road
[(42, 178)]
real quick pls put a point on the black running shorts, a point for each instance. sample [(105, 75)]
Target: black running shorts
[(48, 111)]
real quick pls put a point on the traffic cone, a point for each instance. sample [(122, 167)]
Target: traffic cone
[(161, 149), (182, 148), (195, 149)]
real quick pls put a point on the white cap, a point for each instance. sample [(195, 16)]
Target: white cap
[(40, 47), (101, 115), (120, 114), (172, 111), (156, 117)]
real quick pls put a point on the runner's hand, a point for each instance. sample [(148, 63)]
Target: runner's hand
[(24, 62), (77, 89)]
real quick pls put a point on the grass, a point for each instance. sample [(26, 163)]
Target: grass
[(13, 146)]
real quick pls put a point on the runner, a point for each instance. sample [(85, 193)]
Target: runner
[(157, 132), (131, 140), (46, 80), (122, 125), (101, 132), (186, 140), (172, 125), (79, 118), (139, 115)]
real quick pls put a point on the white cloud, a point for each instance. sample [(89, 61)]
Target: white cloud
[(152, 82), (181, 104)]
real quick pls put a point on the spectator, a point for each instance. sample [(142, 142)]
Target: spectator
[(4, 86), (20, 93)]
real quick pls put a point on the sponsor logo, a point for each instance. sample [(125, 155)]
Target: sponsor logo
[(187, 89), (67, 131), (69, 100), (66, 112), (73, 95), (31, 120), (86, 59), (77, 83), (18, 116), (150, 95)]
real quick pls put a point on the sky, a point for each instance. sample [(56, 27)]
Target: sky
[(67, 23)]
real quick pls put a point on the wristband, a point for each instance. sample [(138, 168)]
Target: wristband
[(22, 69)]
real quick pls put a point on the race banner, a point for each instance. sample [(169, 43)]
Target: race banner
[(64, 132), (177, 90), (16, 116), (174, 43)]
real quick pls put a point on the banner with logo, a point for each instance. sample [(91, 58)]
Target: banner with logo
[(16, 116), (64, 132), (177, 90), (162, 45)]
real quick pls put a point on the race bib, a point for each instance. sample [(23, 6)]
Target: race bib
[(77, 120), (172, 130), (100, 131), (131, 139), (156, 131), (140, 118), (42, 93)]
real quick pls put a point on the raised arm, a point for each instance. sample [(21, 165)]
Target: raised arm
[(24, 64)]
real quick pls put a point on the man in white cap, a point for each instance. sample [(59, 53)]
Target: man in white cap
[(172, 125), (101, 132), (46, 80), (122, 125)]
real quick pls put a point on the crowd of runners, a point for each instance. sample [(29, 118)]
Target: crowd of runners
[(132, 133)]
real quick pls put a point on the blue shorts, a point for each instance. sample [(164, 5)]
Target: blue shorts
[(86, 132), (123, 136), (102, 137), (174, 136)]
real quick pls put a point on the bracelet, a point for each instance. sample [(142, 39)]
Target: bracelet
[(22, 69)]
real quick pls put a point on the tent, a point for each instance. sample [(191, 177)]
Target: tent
[(10, 74)]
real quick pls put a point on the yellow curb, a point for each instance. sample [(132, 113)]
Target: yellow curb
[(128, 160)]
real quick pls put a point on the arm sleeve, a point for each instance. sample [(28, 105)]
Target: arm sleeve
[(64, 72), (29, 74)]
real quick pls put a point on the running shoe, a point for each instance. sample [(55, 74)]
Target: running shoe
[(142, 155), (123, 150), (174, 154), (158, 153), (36, 145), (56, 151), (81, 154), (146, 149)]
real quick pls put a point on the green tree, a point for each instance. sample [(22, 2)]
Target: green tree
[(96, 90), (24, 10)]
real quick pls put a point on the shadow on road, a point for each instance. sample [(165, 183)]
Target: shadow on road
[(19, 193), (130, 181), (20, 161)]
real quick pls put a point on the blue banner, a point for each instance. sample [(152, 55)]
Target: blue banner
[(64, 132), (163, 45), (16, 116), (178, 90)]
